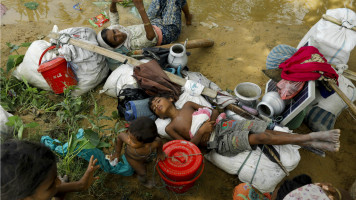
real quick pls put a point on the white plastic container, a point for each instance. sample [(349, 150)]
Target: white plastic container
[(248, 93), (177, 56), (271, 105)]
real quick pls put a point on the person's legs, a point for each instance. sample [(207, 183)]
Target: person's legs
[(141, 171), (188, 16), (325, 140)]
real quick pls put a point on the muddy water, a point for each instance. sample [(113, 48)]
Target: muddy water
[(244, 32)]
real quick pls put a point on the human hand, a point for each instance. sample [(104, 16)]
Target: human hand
[(207, 127), (205, 138), (115, 155), (330, 190), (88, 178), (161, 156)]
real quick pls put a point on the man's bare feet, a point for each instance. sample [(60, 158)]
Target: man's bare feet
[(326, 136), (188, 19), (326, 146)]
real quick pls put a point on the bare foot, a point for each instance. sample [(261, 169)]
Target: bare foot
[(188, 19), (326, 146), (326, 136), (148, 184)]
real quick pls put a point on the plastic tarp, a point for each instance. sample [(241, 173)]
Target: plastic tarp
[(122, 168)]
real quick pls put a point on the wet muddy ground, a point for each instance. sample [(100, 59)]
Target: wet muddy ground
[(246, 32)]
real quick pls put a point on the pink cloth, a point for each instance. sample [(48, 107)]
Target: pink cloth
[(294, 69), (199, 117), (159, 34)]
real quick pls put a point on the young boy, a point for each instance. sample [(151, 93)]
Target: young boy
[(29, 171), (181, 122), (142, 146)]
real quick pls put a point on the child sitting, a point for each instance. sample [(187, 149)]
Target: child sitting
[(29, 171), (181, 122), (142, 146)]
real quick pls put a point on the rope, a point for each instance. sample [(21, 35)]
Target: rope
[(258, 162), (186, 155), (238, 171)]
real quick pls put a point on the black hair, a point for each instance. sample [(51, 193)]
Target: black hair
[(164, 95), (104, 36), (24, 166), (144, 129), (290, 185)]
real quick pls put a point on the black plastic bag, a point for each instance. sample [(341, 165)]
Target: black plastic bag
[(129, 94)]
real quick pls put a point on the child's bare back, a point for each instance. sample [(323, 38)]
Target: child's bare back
[(142, 146)]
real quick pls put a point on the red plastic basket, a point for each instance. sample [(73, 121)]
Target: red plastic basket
[(57, 73)]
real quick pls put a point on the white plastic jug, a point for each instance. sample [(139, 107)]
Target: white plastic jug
[(177, 56)]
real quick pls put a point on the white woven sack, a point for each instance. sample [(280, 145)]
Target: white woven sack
[(28, 68), (90, 68), (334, 103), (333, 41), (118, 79), (5, 131), (268, 173)]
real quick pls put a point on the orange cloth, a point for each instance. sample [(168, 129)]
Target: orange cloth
[(245, 191)]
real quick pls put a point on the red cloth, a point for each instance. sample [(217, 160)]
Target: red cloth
[(293, 70)]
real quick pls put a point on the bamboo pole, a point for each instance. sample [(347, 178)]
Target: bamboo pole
[(191, 44), (335, 21), (122, 58), (277, 160), (342, 96), (349, 74)]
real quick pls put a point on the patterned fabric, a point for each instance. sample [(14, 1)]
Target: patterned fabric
[(278, 55), (245, 191), (307, 192), (166, 14)]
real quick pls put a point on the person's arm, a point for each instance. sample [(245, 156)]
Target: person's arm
[(114, 15), (84, 183), (150, 34), (206, 128), (121, 138), (113, 7), (160, 153), (203, 134), (214, 114), (173, 133)]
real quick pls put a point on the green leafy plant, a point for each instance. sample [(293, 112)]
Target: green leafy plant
[(97, 117), (19, 126), (90, 140), (126, 3), (70, 109), (14, 60)]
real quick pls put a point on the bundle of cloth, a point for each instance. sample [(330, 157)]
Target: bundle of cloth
[(90, 68), (322, 113)]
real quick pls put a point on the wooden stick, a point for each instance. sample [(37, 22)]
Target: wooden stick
[(122, 58), (335, 21), (191, 44), (342, 96), (277, 160), (350, 74)]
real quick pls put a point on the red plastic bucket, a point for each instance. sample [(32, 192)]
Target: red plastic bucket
[(179, 169), (56, 72)]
